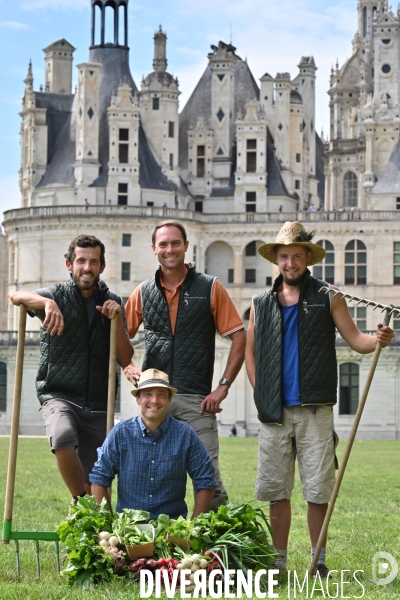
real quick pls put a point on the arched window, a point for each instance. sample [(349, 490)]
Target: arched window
[(326, 269), (349, 375), (3, 387), (355, 258), (350, 189)]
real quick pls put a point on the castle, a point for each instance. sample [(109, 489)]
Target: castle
[(240, 159)]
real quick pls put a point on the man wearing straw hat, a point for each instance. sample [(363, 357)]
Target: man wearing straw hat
[(291, 364), (152, 454), (72, 378)]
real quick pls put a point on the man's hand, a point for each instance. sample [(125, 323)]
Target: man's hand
[(132, 373), (54, 321), (384, 335), (212, 401), (109, 309)]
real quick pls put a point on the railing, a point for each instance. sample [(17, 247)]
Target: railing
[(9, 338), (107, 211), (32, 338)]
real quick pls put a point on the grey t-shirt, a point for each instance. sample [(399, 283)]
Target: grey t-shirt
[(90, 304)]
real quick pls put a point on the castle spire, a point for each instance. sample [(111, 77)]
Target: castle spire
[(160, 51), (29, 76)]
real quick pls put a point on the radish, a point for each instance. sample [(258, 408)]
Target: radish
[(104, 535), (195, 567)]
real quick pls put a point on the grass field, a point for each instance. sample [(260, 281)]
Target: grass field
[(366, 520)]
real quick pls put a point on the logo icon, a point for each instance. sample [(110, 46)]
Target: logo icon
[(384, 568)]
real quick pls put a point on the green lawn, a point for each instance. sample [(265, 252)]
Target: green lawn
[(366, 520)]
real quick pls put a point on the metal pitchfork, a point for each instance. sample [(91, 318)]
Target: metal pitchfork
[(389, 310), (36, 536)]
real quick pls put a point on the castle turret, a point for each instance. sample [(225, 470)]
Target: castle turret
[(159, 110)]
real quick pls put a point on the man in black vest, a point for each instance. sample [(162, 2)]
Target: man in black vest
[(181, 309), (72, 379), (291, 364)]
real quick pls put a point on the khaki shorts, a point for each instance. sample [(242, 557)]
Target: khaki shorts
[(186, 407), (68, 425), (310, 437)]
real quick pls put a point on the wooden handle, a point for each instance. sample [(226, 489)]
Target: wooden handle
[(112, 373), (347, 451), (16, 409)]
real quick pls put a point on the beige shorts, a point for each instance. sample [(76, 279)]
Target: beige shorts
[(68, 425), (310, 437)]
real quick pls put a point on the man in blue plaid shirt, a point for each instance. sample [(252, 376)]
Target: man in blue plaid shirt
[(152, 455)]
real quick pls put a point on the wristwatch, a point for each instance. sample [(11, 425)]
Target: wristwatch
[(224, 381)]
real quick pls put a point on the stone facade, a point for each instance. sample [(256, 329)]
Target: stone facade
[(233, 165)]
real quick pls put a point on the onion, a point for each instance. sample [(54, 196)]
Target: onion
[(195, 567), (187, 563), (113, 541), (104, 535), (203, 563), (104, 543), (196, 558)]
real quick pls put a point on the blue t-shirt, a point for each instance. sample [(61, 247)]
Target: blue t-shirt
[(291, 370)]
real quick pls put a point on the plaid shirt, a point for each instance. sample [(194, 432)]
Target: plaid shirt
[(152, 469)]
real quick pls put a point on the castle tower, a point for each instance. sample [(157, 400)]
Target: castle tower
[(222, 63), (58, 59), (306, 82), (33, 142), (367, 10), (159, 110)]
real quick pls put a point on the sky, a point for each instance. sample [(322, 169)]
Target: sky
[(271, 34)]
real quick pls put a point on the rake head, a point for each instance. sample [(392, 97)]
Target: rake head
[(36, 536), (389, 309)]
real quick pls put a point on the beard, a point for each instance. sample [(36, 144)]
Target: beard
[(295, 281), (89, 285)]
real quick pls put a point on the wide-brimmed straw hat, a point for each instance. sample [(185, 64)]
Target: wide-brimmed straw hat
[(290, 234), (153, 378)]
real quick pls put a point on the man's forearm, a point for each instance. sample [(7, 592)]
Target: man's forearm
[(124, 347), (202, 502), (99, 492), (30, 299), (236, 355)]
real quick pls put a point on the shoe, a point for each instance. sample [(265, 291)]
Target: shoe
[(282, 570), (323, 571)]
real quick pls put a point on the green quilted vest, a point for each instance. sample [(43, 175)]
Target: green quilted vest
[(188, 355), (317, 353), (69, 369)]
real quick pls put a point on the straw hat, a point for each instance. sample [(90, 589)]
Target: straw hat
[(153, 378), (290, 234)]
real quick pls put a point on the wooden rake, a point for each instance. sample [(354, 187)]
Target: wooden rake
[(38, 536), (389, 311)]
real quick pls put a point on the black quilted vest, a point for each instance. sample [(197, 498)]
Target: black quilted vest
[(69, 369), (188, 355), (317, 354)]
